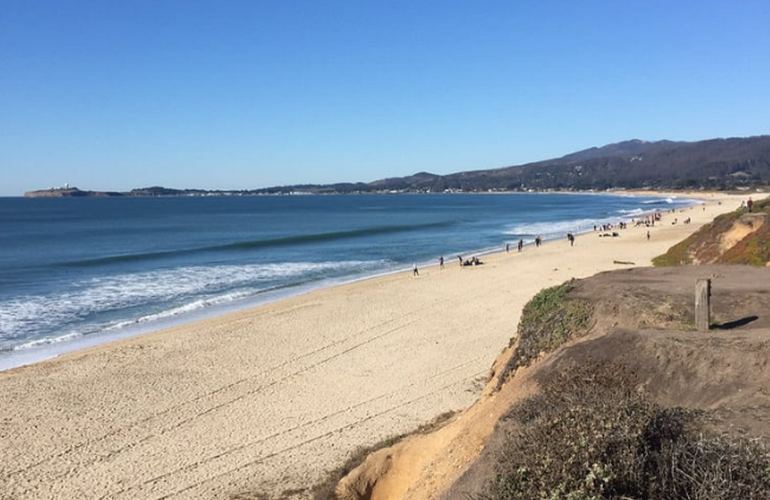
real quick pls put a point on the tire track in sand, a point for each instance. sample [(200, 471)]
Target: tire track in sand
[(112, 454), (295, 445), (182, 404)]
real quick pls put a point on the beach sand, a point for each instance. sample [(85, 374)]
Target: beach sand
[(267, 400)]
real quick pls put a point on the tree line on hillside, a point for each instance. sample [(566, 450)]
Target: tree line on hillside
[(720, 164)]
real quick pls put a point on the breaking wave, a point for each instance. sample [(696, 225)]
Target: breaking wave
[(107, 303)]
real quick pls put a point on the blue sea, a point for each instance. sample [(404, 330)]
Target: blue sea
[(80, 271)]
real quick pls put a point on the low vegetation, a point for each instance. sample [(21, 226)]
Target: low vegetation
[(753, 250), (547, 321), (590, 435), (679, 254), (705, 245), (716, 164)]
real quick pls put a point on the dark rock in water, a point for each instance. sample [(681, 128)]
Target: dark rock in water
[(68, 192)]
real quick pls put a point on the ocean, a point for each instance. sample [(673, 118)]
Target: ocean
[(79, 271)]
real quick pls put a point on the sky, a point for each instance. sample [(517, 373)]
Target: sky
[(247, 94)]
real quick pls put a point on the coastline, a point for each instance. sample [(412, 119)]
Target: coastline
[(49, 348), (268, 398)]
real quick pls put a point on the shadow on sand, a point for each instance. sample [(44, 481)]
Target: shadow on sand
[(734, 324)]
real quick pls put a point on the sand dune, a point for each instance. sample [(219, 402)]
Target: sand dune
[(267, 400)]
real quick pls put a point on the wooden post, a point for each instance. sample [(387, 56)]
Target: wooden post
[(703, 305)]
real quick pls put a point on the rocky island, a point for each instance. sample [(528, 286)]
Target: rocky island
[(67, 192), (73, 192)]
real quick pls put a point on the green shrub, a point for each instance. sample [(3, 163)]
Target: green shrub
[(679, 254), (548, 320)]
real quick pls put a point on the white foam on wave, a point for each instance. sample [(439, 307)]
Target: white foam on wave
[(31, 316), (555, 227), (668, 201), (186, 308), (631, 212), (581, 225), (47, 341)]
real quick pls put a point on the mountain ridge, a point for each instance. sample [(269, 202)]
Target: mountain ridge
[(721, 163)]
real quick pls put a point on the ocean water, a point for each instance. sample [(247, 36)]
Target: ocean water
[(85, 268)]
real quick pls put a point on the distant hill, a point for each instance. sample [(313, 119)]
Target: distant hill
[(73, 192), (68, 192), (634, 164), (711, 164)]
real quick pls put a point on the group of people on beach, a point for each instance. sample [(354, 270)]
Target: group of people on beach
[(473, 261), (676, 220), (606, 230), (648, 220)]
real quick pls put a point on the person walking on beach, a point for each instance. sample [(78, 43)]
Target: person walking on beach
[(571, 239), (441, 262), (521, 244), (648, 236), (507, 247), (415, 272), (538, 240), (750, 204)]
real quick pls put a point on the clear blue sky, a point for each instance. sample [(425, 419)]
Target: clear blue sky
[(243, 94)]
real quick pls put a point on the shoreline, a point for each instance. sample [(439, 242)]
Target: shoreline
[(53, 348), (611, 191), (268, 399)]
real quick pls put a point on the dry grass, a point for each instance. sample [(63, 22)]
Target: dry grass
[(590, 435)]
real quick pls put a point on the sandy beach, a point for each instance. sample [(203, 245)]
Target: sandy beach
[(267, 400)]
